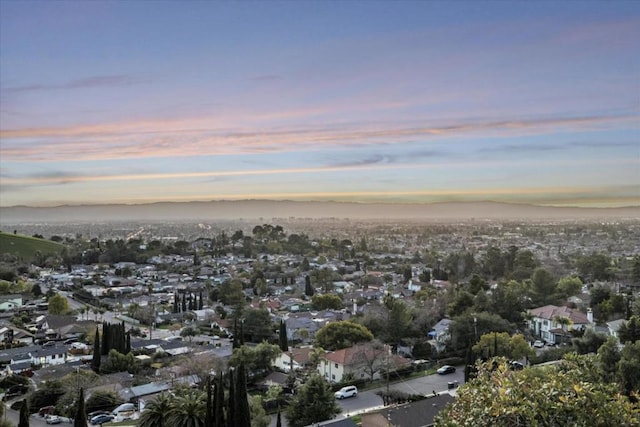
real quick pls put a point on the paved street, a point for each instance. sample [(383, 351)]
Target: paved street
[(368, 400)]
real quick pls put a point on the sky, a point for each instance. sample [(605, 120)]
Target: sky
[(361, 101)]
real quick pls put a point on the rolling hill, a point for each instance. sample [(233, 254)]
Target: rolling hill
[(26, 247)]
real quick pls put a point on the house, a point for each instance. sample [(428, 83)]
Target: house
[(49, 356), (57, 326), (613, 327), (145, 391), (295, 358), (544, 322), (415, 414), (10, 302), (362, 361), (439, 335)]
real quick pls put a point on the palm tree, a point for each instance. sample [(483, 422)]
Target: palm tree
[(188, 409), (155, 412), (564, 322)]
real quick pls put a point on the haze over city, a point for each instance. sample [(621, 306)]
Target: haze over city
[(394, 102)]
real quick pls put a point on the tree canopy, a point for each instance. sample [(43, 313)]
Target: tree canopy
[(551, 396), (58, 304), (342, 334), (314, 402)]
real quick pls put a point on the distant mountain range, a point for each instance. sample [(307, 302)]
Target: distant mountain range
[(252, 209)]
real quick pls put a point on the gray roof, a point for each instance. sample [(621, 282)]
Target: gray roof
[(143, 390), (418, 414)]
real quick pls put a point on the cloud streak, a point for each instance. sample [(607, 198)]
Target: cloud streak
[(116, 80), (194, 138)]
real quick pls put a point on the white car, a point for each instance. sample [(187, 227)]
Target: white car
[(53, 419), (538, 344), (348, 391)]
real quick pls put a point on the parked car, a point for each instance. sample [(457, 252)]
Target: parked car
[(348, 391), (101, 419), (53, 419), (515, 365), (446, 369), (538, 344), (94, 414)]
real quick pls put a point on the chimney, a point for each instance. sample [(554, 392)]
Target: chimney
[(590, 315)]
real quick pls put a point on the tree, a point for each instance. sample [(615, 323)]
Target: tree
[(36, 291), (118, 362), (97, 354), (465, 330), (564, 323), (257, 325), (501, 344), (313, 403), (58, 305), (569, 286), (326, 302), (609, 356), (399, 321), (24, 414), (189, 333), (283, 341), (372, 357), (308, 289), (564, 394), (629, 331), (342, 334), (259, 417), (543, 286), (80, 418), (187, 409), (242, 412), (629, 368)]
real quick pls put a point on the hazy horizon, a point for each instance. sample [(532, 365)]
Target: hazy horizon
[(397, 102), (254, 209)]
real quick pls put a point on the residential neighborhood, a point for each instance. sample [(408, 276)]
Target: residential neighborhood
[(363, 305)]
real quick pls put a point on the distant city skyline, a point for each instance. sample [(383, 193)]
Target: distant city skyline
[(137, 102)]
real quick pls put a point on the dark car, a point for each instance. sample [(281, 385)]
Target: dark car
[(100, 419), (516, 366), (446, 369)]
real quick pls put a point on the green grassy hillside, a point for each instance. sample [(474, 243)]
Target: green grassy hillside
[(26, 247)]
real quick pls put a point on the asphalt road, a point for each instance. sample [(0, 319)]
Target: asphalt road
[(368, 400)]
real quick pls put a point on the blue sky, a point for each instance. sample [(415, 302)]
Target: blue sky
[(134, 102)]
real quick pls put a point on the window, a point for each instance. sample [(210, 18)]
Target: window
[(333, 377), (336, 365)]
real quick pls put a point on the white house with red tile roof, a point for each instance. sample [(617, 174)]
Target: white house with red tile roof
[(361, 361), (544, 324)]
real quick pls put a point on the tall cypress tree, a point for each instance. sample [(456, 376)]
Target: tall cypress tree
[(279, 419), (24, 414), (106, 345), (218, 413), (231, 402), (97, 354), (128, 344), (200, 303), (176, 300), (208, 416), (284, 342), (242, 411), (184, 303), (80, 419)]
